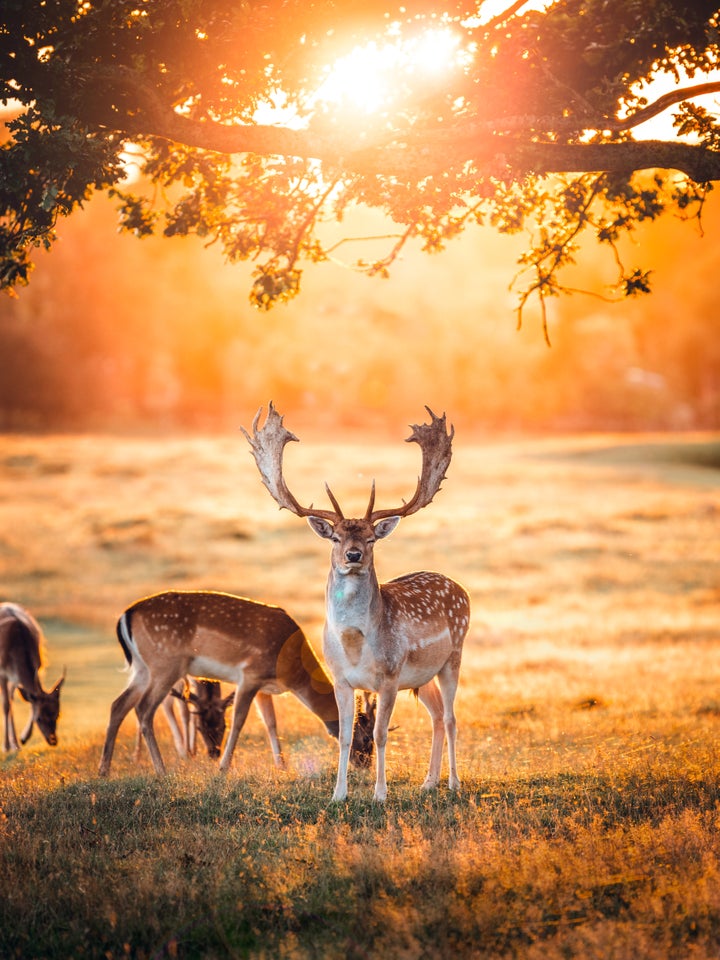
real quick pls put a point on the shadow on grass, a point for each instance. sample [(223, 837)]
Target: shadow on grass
[(122, 810)]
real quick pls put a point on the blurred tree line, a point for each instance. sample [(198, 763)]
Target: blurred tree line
[(116, 334)]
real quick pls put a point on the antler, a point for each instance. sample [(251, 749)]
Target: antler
[(436, 445), (268, 444)]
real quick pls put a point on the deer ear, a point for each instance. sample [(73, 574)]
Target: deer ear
[(321, 527), (383, 528)]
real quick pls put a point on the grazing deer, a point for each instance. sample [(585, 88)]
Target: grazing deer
[(202, 633), (405, 634), (202, 709), (205, 706), (21, 640), (365, 709)]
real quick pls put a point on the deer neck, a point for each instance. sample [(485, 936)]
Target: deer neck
[(297, 669), (354, 601)]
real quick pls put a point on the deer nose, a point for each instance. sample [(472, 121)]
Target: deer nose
[(353, 556)]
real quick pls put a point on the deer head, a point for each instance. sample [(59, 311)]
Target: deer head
[(206, 704), (45, 711)]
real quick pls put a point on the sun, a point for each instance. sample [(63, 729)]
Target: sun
[(367, 78), (375, 77)]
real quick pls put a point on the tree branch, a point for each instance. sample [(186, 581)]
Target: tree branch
[(662, 104), (421, 153), (435, 153)]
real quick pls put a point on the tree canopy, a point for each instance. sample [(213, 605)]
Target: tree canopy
[(531, 123)]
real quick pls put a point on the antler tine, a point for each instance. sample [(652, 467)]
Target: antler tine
[(436, 445), (267, 445), (333, 501), (371, 504)]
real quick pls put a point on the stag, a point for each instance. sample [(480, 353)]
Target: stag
[(258, 647), (21, 642), (404, 634)]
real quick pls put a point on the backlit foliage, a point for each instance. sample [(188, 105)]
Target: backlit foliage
[(529, 126)]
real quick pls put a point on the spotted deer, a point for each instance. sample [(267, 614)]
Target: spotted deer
[(21, 642), (256, 646), (202, 709), (206, 708), (404, 634)]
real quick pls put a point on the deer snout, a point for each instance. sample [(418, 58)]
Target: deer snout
[(353, 556)]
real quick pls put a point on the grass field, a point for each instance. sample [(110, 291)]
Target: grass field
[(588, 824)]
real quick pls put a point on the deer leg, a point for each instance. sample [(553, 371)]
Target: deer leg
[(149, 702), (345, 697), (429, 696), (385, 705), (118, 711), (241, 706), (10, 741), (266, 709), (448, 683), (180, 737), (191, 726), (25, 735)]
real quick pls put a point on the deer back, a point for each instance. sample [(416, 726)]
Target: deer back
[(223, 636), (20, 640)]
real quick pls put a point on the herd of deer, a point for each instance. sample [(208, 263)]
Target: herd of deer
[(406, 634)]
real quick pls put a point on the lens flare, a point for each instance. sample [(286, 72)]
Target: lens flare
[(366, 79)]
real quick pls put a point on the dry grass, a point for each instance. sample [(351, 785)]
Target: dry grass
[(589, 709)]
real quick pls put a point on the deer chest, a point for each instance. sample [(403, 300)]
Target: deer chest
[(352, 655)]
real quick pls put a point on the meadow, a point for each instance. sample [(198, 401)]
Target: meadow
[(588, 823)]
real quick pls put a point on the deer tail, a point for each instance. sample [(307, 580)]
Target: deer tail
[(125, 636)]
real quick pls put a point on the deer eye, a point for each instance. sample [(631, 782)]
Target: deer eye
[(371, 540), (335, 538)]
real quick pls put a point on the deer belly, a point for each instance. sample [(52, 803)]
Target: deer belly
[(412, 677), (425, 660), (209, 669)]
